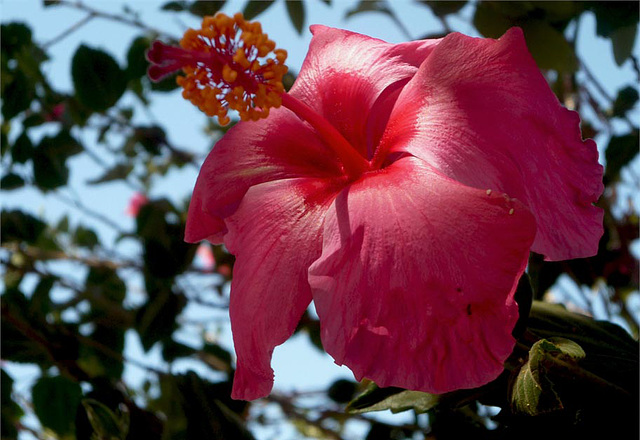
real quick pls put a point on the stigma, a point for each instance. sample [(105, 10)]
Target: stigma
[(228, 64)]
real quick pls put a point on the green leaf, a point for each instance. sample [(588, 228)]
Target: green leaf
[(11, 181), (540, 37), (255, 8), (623, 40), (295, 9), (106, 284), (176, 6), (534, 391), (137, 63), (156, 321), (11, 411), (625, 101), (394, 399), (620, 151), (85, 237), (613, 15), (17, 94), (18, 226), (342, 390), (369, 6), (98, 80), (203, 8), (55, 400), (49, 160), (14, 37), (105, 423), (442, 8), (118, 172)]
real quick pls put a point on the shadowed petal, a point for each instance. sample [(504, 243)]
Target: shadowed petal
[(344, 73), (480, 111), (251, 153), (275, 235), (415, 284)]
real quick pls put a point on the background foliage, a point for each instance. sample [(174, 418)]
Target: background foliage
[(72, 294)]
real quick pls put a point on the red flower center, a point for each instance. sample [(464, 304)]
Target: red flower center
[(227, 65)]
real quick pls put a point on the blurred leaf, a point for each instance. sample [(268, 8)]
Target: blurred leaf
[(17, 94), (11, 411), (534, 391), (203, 8), (369, 6), (156, 321), (215, 357), (392, 398), (625, 101), (15, 37), (623, 40), (172, 350), (105, 423), (105, 283), (11, 181), (255, 8), (151, 138), (85, 237), (55, 400), (620, 151), (168, 84), (442, 8), (613, 15), (137, 63), (342, 390), (49, 160), (540, 37), (48, 3), (119, 171), (98, 80), (18, 226), (295, 9), (40, 303), (176, 6)]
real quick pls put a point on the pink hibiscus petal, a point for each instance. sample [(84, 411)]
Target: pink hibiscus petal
[(480, 111), (251, 153), (344, 73), (415, 284), (275, 235)]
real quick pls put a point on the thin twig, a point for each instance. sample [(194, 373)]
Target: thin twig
[(69, 31)]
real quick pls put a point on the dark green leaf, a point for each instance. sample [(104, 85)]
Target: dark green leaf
[(85, 237), (151, 138), (620, 151), (176, 6), (98, 80), (295, 9), (118, 172), (369, 6), (49, 160), (625, 101), (11, 181), (15, 37), (137, 63), (442, 8), (167, 84), (534, 391), (203, 8), (18, 226), (613, 15), (105, 283), (40, 303), (48, 3), (215, 357), (11, 411), (540, 37), (342, 390), (255, 8), (105, 423), (17, 94), (623, 40), (55, 400), (156, 321)]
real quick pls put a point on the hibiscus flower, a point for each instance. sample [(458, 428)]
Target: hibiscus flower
[(400, 187)]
